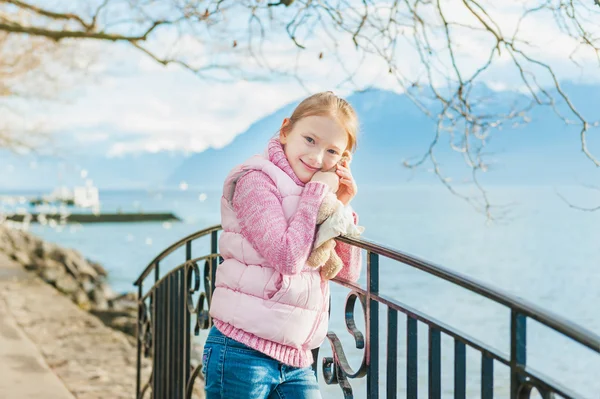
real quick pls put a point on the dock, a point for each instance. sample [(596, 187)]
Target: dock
[(117, 217)]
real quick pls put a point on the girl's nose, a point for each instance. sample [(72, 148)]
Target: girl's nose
[(316, 160)]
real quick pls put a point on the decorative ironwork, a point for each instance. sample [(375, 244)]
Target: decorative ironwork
[(167, 308), (202, 316), (336, 369)]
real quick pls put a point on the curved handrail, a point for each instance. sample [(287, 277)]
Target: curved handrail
[(172, 248), (521, 305), (518, 304)]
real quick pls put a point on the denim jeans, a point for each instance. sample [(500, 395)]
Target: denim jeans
[(232, 370)]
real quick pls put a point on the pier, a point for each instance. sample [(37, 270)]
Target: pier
[(97, 218)]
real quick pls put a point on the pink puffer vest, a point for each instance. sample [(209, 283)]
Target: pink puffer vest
[(250, 294)]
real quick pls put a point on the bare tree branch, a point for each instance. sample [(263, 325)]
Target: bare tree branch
[(577, 207), (68, 34), (50, 14), (33, 71), (244, 39)]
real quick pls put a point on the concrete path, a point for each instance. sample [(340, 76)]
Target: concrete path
[(23, 372)]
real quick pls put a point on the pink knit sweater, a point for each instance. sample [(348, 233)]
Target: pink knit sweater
[(257, 203)]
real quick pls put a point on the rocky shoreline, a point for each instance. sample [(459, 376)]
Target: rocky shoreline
[(78, 278), (84, 330)]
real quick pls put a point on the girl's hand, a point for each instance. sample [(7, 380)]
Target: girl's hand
[(348, 188), (329, 178)]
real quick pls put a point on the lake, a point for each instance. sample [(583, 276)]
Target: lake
[(542, 250)]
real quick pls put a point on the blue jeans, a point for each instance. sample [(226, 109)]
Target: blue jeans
[(232, 370)]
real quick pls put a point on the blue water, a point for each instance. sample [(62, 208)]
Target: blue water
[(542, 250)]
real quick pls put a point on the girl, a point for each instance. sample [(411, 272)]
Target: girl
[(269, 308)]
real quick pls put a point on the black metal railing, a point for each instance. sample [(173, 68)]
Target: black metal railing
[(167, 307)]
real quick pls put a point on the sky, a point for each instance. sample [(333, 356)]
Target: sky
[(136, 104)]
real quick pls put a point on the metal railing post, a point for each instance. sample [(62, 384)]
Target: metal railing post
[(518, 350), (373, 326)]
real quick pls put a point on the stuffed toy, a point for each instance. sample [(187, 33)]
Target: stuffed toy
[(333, 220)]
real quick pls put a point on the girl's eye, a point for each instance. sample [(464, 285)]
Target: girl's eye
[(334, 152), (310, 139)]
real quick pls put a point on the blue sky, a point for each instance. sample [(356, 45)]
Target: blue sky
[(130, 103)]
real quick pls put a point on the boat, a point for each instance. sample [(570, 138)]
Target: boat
[(86, 196)]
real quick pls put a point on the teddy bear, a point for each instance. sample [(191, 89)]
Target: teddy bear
[(333, 220)]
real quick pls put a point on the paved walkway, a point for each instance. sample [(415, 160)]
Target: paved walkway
[(23, 372)]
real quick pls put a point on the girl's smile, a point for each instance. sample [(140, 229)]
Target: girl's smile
[(314, 170)]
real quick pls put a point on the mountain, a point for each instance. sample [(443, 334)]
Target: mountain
[(209, 168), (391, 126), (544, 151)]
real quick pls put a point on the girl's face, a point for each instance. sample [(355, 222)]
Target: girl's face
[(316, 143)]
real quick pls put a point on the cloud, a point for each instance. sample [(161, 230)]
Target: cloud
[(92, 137), (139, 105), (168, 110)]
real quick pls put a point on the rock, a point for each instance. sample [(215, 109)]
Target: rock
[(22, 258), (120, 320), (51, 274), (128, 296), (98, 268), (126, 324), (52, 264), (43, 249), (66, 284), (36, 264), (74, 261), (21, 241), (56, 254), (124, 301), (107, 291), (88, 285), (5, 244), (69, 264), (82, 300), (99, 300)]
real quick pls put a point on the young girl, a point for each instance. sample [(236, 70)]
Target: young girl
[(269, 308)]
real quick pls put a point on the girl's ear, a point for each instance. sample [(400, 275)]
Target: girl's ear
[(346, 156), (283, 131)]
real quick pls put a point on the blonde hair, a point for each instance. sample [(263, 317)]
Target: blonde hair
[(328, 104)]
